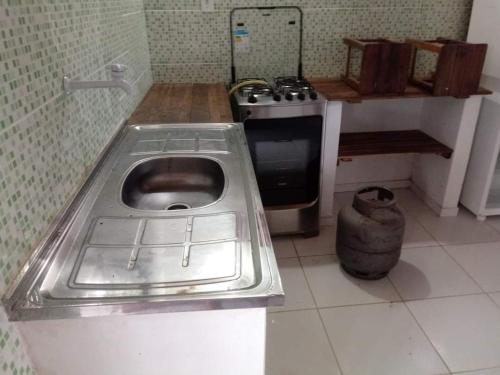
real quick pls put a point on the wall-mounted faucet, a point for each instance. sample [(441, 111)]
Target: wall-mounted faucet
[(117, 81)]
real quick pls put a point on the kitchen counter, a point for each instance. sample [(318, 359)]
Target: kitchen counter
[(165, 247), (183, 103), (171, 221), (204, 103), (338, 90)]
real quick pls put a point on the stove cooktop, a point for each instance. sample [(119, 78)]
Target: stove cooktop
[(281, 91)]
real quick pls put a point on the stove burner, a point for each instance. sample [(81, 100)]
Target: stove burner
[(293, 87), (257, 89), (289, 87)]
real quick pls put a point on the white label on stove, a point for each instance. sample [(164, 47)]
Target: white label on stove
[(208, 5), (241, 39)]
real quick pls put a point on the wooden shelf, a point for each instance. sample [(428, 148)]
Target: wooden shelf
[(338, 90), (391, 142)]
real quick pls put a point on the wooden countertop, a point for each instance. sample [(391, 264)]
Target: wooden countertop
[(183, 103), (202, 103), (338, 90)]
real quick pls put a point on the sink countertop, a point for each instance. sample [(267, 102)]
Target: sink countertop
[(183, 103), (108, 256)]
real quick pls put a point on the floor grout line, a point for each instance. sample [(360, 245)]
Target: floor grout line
[(414, 216), (419, 326), (492, 300), (468, 274), (330, 342), (470, 243), (463, 269), (439, 297), (491, 226), (294, 248), (474, 370), (427, 337), (335, 356), (292, 310), (317, 255), (441, 243), (378, 303), (488, 222), (412, 247), (444, 244)]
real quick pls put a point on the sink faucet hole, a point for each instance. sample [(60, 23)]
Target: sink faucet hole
[(178, 206)]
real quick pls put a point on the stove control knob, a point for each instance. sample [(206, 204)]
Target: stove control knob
[(314, 95), (252, 99), (289, 96), (302, 96), (277, 97)]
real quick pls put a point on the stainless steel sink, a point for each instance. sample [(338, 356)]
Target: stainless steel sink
[(173, 183), (171, 220)]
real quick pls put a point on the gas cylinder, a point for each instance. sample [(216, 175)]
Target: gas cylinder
[(370, 234)]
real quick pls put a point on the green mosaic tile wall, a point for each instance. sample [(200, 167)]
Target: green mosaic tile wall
[(190, 46), (49, 141)]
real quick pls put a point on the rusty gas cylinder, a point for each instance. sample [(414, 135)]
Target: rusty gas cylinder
[(370, 234)]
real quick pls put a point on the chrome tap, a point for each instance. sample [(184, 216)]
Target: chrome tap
[(117, 81)]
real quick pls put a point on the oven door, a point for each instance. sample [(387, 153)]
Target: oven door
[(286, 154)]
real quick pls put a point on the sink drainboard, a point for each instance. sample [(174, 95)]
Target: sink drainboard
[(154, 251)]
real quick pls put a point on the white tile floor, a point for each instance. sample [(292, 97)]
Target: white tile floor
[(438, 312)]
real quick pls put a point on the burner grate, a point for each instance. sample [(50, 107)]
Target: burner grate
[(292, 85), (255, 89), (287, 89)]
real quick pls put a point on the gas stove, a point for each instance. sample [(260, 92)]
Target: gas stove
[(281, 91), (283, 122)]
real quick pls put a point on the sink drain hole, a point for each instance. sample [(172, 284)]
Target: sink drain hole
[(178, 206)]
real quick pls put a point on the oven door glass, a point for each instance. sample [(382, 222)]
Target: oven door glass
[(286, 154)]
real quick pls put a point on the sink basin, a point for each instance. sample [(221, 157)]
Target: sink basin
[(173, 183)]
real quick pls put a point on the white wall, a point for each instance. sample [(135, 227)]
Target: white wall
[(485, 28), (378, 115), (382, 115)]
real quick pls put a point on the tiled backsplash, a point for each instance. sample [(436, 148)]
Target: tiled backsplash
[(48, 141), (187, 45)]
